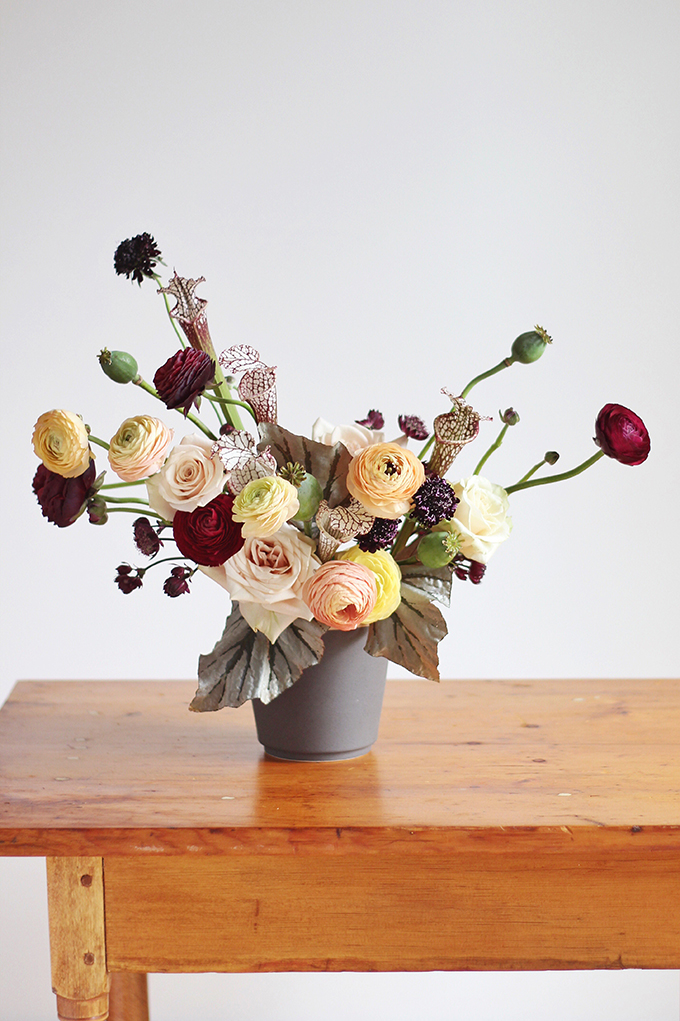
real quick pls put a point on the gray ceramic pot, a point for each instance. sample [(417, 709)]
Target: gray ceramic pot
[(333, 710)]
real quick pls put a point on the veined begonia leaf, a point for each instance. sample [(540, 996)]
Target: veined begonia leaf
[(327, 464), (435, 582), (410, 635)]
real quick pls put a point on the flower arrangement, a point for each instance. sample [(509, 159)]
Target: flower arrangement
[(343, 529)]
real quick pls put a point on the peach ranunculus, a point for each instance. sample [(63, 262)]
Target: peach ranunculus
[(264, 505), (342, 594), (139, 448), (61, 442), (387, 579), (384, 477), (267, 576), (355, 437), (190, 478)]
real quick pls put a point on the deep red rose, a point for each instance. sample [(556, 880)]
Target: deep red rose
[(183, 378), (621, 434), (62, 500), (208, 535)]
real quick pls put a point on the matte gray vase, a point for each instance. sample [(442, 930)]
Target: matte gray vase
[(333, 710)]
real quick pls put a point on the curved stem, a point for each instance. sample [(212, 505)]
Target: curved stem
[(556, 478), (231, 400), (427, 446), (135, 510), (192, 418), (126, 499), (120, 485), (100, 443), (505, 364), (494, 446), (405, 533), (170, 315), (532, 471)]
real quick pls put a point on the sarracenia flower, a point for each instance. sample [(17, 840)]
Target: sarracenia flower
[(61, 442), (264, 505), (341, 594), (387, 579), (384, 477), (139, 448)]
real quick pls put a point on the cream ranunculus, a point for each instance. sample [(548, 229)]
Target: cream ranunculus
[(61, 442), (384, 477), (355, 437), (266, 577), (387, 579), (139, 448), (264, 505), (482, 518), (190, 478)]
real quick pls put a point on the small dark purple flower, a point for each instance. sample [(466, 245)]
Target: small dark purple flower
[(136, 257), (382, 534), (182, 379), (435, 501), (177, 583), (413, 427), (465, 569), (128, 578), (373, 420), (146, 538)]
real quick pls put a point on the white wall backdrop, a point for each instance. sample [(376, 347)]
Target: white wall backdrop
[(381, 195)]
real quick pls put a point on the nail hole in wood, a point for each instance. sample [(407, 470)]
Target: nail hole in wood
[(88, 958), (86, 880)]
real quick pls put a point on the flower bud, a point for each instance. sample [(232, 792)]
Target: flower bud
[(509, 417), (551, 457), (119, 366), (97, 511), (530, 346), (434, 550)]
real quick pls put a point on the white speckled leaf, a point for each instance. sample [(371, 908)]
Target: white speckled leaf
[(240, 358), (254, 468)]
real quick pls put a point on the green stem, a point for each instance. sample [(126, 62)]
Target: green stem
[(494, 446), (531, 471), (230, 400), (192, 418), (165, 560), (427, 446), (407, 530), (135, 510), (120, 485), (100, 443), (505, 364), (175, 327), (126, 499), (556, 478)]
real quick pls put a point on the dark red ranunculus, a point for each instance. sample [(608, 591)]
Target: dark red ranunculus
[(183, 378), (208, 535), (62, 500), (622, 434)]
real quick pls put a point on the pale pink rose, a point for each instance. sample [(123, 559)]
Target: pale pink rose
[(266, 577), (139, 448), (355, 437), (342, 594), (190, 478)]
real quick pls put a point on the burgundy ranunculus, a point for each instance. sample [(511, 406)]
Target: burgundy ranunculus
[(183, 378), (621, 434), (208, 535), (62, 500)]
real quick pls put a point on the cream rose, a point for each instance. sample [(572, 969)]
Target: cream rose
[(384, 477), (267, 576), (355, 437), (61, 442), (482, 518), (264, 505), (139, 448), (190, 478)]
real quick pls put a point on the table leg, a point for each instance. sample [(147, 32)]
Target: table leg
[(128, 999), (75, 894)]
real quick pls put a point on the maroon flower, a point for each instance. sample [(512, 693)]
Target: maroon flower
[(373, 420), (382, 534), (621, 434), (183, 378), (128, 578), (413, 427), (435, 501), (208, 535), (177, 583), (465, 569), (137, 257), (63, 500), (146, 537)]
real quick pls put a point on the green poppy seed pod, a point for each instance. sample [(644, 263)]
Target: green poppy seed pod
[(310, 495), (119, 366), (551, 457), (433, 550), (529, 346)]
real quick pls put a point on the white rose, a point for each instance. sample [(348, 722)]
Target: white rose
[(190, 478), (355, 436), (266, 577), (481, 519)]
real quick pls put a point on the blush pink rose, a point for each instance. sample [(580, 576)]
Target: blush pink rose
[(342, 594), (190, 478)]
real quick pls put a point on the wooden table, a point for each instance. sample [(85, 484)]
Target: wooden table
[(495, 825)]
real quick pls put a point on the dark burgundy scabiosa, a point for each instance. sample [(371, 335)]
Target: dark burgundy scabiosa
[(622, 434), (183, 378), (435, 501), (208, 535), (128, 578), (413, 427), (147, 540), (465, 569), (63, 500), (177, 583), (382, 534), (136, 258), (373, 420)]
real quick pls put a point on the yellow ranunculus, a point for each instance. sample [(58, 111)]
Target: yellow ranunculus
[(61, 442), (264, 505), (387, 579)]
